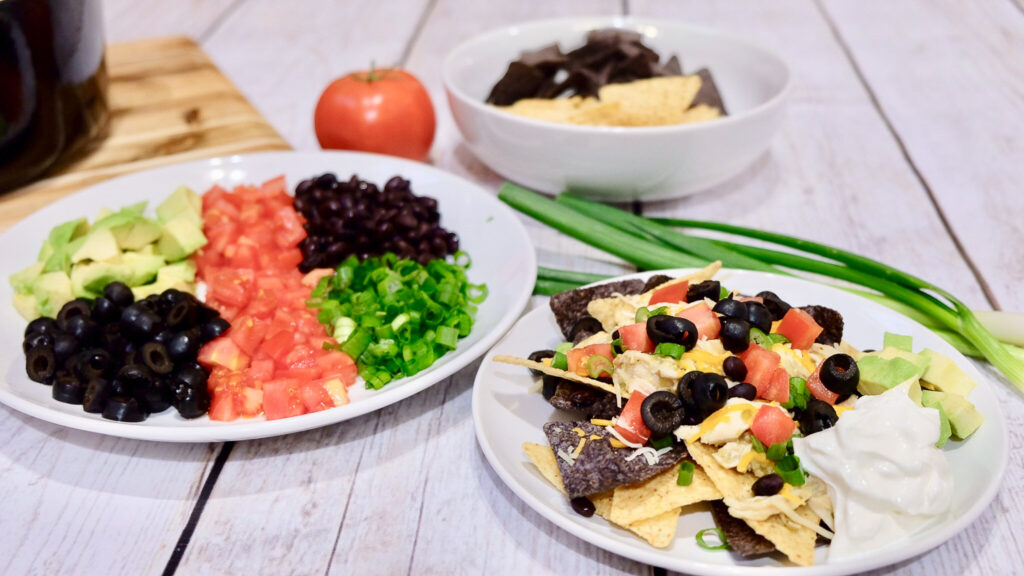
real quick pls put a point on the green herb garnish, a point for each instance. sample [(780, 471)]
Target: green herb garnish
[(686, 469)]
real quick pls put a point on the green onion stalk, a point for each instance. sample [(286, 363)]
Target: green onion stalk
[(659, 243)]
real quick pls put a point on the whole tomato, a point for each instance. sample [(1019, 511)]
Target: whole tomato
[(385, 110)]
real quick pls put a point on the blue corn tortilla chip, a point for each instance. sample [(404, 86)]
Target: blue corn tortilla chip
[(830, 320), (569, 307), (599, 467)]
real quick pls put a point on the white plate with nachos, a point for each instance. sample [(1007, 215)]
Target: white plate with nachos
[(657, 523)]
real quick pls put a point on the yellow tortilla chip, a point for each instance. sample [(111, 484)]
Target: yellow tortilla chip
[(658, 531), (796, 542), (545, 369), (660, 494)]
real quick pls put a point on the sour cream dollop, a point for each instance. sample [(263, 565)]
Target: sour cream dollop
[(885, 476)]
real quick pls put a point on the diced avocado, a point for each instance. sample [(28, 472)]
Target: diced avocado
[(99, 244), (138, 208), (963, 417), (64, 233), (148, 249), (184, 271), (916, 359), (60, 260), (161, 285), (139, 269), (45, 251), (182, 236), (181, 201), (944, 375), (944, 429), (130, 228), (25, 304), (103, 213), (52, 291), (89, 278), (22, 281), (899, 341), (878, 374)]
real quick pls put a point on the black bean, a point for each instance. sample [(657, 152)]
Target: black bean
[(745, 390), (583, 506), (734, 369), (769, 485)]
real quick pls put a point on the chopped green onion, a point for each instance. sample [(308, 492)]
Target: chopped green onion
[(722, 544), (724, 293), (563, 347), (756, 445), (617, 346), (669, 349), (760, 338), (776, 451), (643, 313), (686, 469), (798, 394), (343, 328), (598, 365), (790, 471), (560, 361), (576, 278), (665, 441), (777, 338)]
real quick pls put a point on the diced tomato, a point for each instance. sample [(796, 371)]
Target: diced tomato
[(800, 328), (274, 187), (260, 370), (671, 294), (300, 357), (761, 365), (250, 402), (248, 333), (578, 357), (818, 389), (279, 345), (337, 388), (772, 425), (231, 286), (283, 260), (332, 361), (281, 399), (315, 398), (302, 374), (630, 424), (223, 352), (634, 337), (289, 227), (263, 303), (707, 322), (222, 407), (778, 387)]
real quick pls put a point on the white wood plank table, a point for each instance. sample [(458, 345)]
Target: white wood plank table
[(903, 141)]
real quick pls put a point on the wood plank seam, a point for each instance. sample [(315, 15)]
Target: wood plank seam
[(975, 271), (417, 31), (219, 21), (197, 510)]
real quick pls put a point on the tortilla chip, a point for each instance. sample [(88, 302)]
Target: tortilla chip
[(651, 102), (660, 494), (568, 307), (587, 402), (658, 531), (830, 321), (598, 467), (741, 538), (544, 368), (796, 542), (708, 94)]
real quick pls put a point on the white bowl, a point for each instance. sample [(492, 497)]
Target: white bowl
[(619, 163)]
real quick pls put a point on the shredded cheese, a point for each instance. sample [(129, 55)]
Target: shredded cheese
[(788, 495), (746, 411), (600, 422), (798, 519), (595, 437), (579, 448), (611, 430), (616, 443), (840, 409), (579, 432), (749, 457), (566, 456)]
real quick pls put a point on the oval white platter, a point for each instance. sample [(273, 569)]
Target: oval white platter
[(507, 414), (503, 258)]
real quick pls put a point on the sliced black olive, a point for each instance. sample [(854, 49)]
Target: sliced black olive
[(156, 397), (42, 325), (104, 310), (584, 326), (123, 409), (76, 307), (709, 392), (662, 412), (135, 375), (734, 369), (206, 314), (182, 314), (759, 317), (549, 385), (119, 293), (64, 346), (777, 306), (41, 364), (172, 296), (583, 506), (93, 363), (769, 485), (39, 340), (672, 329), (96, 394), (744, 390), (731, 308), (213, 329), (538, 356), (191, 376), (83, 328), (817, 416), (155, 357), (840, 374), (68, 389), (192, 402), (164, 336), (735, 335), (144, 325), (711, 289), (183, 345)]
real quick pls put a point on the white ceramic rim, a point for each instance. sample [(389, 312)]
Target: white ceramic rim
[(242, 430), (625, 22), (641, 552)]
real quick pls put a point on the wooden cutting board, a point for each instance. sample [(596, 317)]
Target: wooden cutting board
[(168, 103)]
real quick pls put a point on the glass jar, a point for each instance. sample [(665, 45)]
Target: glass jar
[(53, 85)]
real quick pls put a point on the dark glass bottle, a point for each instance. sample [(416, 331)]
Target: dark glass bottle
[(53, 84)]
